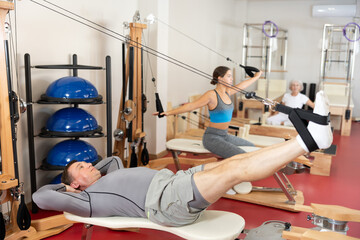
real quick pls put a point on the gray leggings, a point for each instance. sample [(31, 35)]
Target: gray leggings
[(219, 142)]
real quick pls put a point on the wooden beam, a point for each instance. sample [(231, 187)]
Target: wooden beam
[(7, 157)]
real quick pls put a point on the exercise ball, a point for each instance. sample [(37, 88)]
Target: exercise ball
[(71, 120), (57, 179), (66, 151), (72, 88)]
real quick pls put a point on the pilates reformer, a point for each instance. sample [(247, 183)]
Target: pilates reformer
[(330, 221), (318, 161), (212, 225), (340, 105)]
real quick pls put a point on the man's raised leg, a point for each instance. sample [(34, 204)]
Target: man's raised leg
[(322, 134), (218, 177)]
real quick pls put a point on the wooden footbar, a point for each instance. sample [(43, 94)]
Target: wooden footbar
[(334, 212)]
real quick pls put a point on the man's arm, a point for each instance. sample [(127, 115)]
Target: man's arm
[(109, 164), (54, 197)]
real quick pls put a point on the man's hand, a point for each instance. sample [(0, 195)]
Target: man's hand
[(71, 189)]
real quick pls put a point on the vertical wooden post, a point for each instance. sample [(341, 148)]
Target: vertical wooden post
[(135, 36), (7, 156), (135, 41)]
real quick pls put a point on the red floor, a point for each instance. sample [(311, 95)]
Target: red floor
[(340, 188)]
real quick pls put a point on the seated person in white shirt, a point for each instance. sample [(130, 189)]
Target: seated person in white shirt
[(295, 99)]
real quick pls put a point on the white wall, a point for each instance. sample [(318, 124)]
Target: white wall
[(211, 23), (51, 39), (305, 32), (219, 26)]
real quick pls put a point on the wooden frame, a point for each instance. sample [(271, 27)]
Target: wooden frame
[(136, 118)]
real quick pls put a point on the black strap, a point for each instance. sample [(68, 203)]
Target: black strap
[(301, 128), (23, 218), (234, 127), (300, 119), (304, 114)]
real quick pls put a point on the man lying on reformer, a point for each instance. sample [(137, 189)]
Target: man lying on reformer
[(171, 199)]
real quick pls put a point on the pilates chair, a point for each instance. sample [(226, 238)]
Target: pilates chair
[(341, 104), (212, 225)]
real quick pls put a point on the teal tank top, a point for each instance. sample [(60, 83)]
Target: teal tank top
[(222, 112)]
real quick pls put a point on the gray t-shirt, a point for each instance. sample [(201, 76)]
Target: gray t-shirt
[(121, 192)]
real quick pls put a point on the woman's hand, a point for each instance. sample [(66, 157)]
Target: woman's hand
[(157, 113), (258, 74)]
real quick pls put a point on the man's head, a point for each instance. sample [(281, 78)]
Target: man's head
[(80, 175)]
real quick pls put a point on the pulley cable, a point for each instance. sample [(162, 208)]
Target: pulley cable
[(189, 120), (137, 44), (155, 53), (248, 69), (148, 49), (297, 116), (194, 40)]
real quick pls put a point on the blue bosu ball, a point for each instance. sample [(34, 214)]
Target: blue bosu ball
[(70, 120), (56, 179), (66, 151), (72, 88)]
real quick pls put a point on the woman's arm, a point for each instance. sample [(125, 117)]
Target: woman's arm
[(202, 101), (246, 83), (310, 104)]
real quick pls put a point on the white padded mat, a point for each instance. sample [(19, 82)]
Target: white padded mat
[(212, 225), (194, 146), (263, 141)]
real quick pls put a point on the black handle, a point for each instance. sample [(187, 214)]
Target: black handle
[(133, 160), (23, 216), (159, 107), (249, 70), (145, 156)]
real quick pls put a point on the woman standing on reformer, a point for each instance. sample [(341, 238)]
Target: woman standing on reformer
[(216, 138)]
